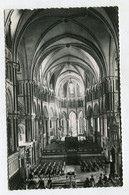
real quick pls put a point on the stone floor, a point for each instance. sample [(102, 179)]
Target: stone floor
[(80, 176)]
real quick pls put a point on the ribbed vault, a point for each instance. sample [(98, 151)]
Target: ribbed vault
[(54, 45)]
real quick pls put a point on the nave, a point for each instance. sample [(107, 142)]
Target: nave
[(63, 97), (55, 174)]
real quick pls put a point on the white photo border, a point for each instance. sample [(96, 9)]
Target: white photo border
[(124, 78)]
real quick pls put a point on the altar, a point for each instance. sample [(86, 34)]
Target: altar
[(71, 144)]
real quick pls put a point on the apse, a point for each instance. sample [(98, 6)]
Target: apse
[(70, 86)]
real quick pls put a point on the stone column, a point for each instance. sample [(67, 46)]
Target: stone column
[(28, 129), (15, 126), (67, 126), (57, 126), (93, 127), (47, 130), (105, 126), (102, 130), (87, 127), (98, 124), (54, 126), (77, 126), (33, 127), (14, 67)]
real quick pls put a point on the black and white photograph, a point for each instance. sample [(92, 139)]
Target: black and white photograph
[(63, 98)]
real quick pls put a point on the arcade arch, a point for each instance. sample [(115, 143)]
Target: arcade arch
[(21, 134), (46, 125), (64, 123), (96, 118), (81, 123), (90, 121), (72, 124)]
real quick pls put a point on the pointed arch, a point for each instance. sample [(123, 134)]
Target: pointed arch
[(72, 123)]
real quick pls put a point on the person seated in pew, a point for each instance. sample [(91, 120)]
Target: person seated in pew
[(31, 185), (87, 183), (42, 184), (105, 179), (37, 179), (30, 176), (100, 182), (49, 183), (82, 168), (110, 181), (92, 181), (74, 184)]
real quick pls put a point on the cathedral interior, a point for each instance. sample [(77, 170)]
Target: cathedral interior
[(63, 98)]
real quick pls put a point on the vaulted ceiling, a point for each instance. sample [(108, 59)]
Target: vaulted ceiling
[(54, 45)]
